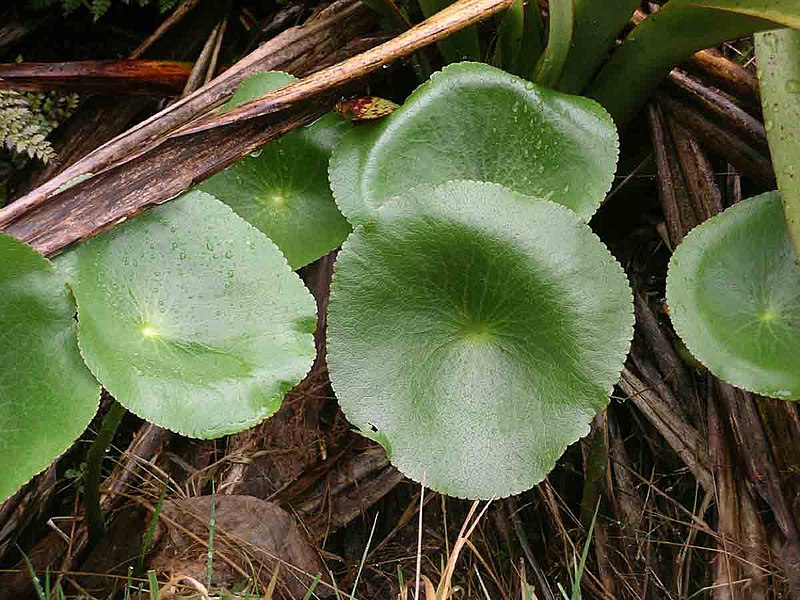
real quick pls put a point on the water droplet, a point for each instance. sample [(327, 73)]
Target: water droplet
[(228, 254), (183, 255), (793, 86), (256, 153), (209, 245), (768, 125)]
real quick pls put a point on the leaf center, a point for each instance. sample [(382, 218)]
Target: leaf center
[(477, 330)]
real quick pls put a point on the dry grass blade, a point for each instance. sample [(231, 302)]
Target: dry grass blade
[(168, 591)]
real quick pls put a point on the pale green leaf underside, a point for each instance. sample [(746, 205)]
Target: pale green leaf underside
[(734, 295), (47, 395), (477, 332), (283, 188), (473, 121), (191, 318)]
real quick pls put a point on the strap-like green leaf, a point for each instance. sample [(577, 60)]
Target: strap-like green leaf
[(473, 121), (47, 395), (778, 54), (597, 25), (734, 296), (510, 34), (475, 332), (674, 33), (561, 27), (191, 317)]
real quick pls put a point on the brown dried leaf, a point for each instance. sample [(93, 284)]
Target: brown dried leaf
[(250, 537)]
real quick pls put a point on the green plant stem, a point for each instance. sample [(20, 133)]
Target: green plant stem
[(778, 54), (551, 64), (673, 34), (94, 468)]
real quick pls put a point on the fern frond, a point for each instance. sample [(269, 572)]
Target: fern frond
[(98, 7), (20, 130)]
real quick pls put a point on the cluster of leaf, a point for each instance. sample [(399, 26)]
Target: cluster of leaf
[(471, 309), (98, 7)]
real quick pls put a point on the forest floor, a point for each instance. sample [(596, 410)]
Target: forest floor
[(697, 483)]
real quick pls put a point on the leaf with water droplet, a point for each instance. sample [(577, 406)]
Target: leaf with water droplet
[(283, 188), (192, 351), (458, 126)]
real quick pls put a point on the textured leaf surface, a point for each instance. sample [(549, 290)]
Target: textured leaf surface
[(192, 318), (47, 395), (734, 297), (475, 332), (283, 187), (473, 121)]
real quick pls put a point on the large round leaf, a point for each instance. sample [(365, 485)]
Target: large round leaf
[(473, 121), (192, 318), (47, 395), (283, 188), (734, 296), (475, 332)]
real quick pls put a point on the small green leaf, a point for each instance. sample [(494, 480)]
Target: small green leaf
[(258, 85), (283, 188), (191, 318), (473, 121), (47, 395), (734, 295), (476, 332)]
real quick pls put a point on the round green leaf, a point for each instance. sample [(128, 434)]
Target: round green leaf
[(192, 318), (47, 395), (283, 187), (475, 332), (257, 85), (734, 296), (473, 121)]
